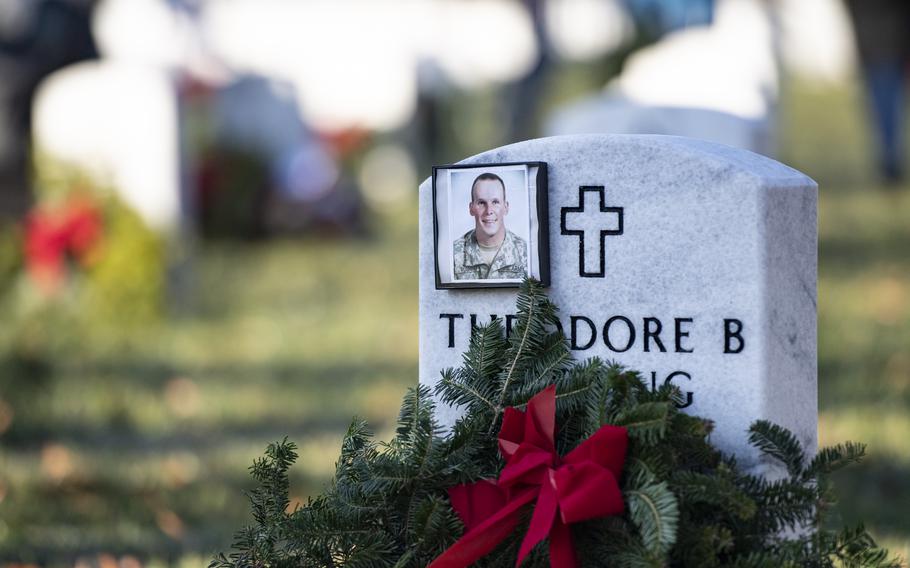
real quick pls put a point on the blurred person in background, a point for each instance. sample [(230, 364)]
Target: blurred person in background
[(882, 30), (656, 18), (37, 37)]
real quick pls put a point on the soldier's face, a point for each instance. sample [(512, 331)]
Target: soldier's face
[(488, 207)]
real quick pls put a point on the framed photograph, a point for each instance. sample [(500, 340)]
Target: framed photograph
[(490, 224)]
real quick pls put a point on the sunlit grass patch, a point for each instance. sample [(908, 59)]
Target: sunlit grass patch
[(142, 443)]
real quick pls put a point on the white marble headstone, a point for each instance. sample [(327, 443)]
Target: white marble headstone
[(119, 124), (711, 283)]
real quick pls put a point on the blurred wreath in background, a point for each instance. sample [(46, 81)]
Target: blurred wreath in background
[(81, 264)]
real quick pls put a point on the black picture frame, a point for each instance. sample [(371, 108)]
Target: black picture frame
[(541, 203)]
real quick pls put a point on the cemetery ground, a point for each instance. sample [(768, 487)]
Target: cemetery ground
[(136, 447)]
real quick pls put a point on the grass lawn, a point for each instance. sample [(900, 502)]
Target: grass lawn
[(137, 448), (142, 445)]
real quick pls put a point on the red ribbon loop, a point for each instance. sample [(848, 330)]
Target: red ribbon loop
[(579, 486), (52, 234)]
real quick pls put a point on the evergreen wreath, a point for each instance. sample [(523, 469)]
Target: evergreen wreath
[(686, 503)]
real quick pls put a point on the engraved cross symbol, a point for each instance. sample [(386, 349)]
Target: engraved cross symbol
[(599, 221)]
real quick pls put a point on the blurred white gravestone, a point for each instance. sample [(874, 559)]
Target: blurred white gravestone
[(118, 123), (716, 83), (615, 113), (688, 261)]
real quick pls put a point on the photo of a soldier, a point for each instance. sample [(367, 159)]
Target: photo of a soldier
[(489, 250), (490, 225)]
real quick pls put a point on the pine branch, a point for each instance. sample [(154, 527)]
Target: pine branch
[(828, 460), (686, 503), (718, 491), (856, 548), (654, 510), (484, 357), (456, 391), (646, 422), (777, 442), (528, 300)]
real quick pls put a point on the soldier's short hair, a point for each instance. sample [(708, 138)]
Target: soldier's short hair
[(488, 176)]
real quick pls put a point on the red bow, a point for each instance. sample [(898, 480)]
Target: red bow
[(51, 234), (580, 486)]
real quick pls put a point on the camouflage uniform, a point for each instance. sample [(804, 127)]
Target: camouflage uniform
[(511, 260)]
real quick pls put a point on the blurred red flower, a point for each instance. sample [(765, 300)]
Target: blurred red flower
[(54, 235)]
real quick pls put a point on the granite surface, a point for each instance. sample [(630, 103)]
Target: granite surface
[(718, 244)]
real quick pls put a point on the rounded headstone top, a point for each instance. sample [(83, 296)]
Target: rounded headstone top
[(709, 248), (665, 155)]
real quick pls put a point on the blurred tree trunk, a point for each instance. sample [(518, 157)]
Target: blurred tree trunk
[(47, 35)]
